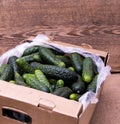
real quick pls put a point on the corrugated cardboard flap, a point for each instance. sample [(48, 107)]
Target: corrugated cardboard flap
[(46, 101)]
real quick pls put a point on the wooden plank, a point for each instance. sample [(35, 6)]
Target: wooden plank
[(29, 13)]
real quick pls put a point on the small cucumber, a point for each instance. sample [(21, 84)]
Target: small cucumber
[(19, 79), (32, 57), (3, 66), (33, 82), (87, 72), (92, 85), (58, 72), (30, 50), (74, 96), (59, 83), (71, 68), (34, 64), (78, 86), (12, 81), (63, 92), (42, 79), (77, 61), (7, 73), (66, 59), (49, 57), (12, 62), (25, 66)]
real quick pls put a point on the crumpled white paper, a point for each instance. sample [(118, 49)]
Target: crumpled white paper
[(43, 40)]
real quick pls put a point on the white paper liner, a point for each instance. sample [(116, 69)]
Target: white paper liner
[(43, 40)]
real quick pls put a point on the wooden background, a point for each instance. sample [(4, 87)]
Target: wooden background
[(95, 22)]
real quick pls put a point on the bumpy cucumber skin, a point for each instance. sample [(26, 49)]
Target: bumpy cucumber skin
[(32, 57), (42, 79), (31, 50), (7, 73), (66, 59), (93, 84), (2, 68), (49, 57), (87, 71), (12, 62), (77, 61), (33, 82), (34, 64), (58, 72), (63, 92), (19, 79), (79, 86), (25, 66)]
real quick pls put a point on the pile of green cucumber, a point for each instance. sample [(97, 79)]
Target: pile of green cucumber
[(52, 71)]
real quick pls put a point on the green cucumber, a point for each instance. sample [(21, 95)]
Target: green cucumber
[(30, 50), (33, 82), (77, 61), (19, 79), (42, 79), (25, 66), (63, 92), (74, 96), (66, 59), (79, 86), (34, 64), (58, 72), (3, 66), (49, 57), (71, 68), (32, 57), (93, 84), (12, 81), (87, 72), (12, 62), (7, 73), (59, 83)]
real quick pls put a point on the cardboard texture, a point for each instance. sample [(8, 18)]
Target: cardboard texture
[(18, 102), (40, 106)]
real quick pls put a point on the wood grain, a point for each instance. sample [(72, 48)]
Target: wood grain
[(29, 13)]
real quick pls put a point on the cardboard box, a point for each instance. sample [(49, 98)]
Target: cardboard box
[(18, 103)]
